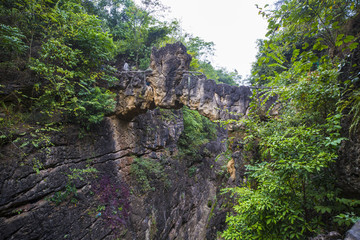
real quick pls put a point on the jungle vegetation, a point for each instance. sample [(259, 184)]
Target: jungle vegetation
[(309, 61)]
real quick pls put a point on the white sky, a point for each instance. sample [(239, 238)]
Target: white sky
[(233, 25)]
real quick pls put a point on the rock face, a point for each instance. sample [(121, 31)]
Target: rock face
[(178, 206), (171, 85), (53, 193), (354, 232)]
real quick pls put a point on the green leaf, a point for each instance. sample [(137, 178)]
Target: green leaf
[(305, 45), (353, 46), (338, 43), (348, 38), (339, 37)]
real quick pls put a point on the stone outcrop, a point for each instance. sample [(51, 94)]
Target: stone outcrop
[(330, 236), (231, 169), (169, 84)]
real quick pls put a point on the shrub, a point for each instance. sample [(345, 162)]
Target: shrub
[(148, 171), (70, 191), (198, 130), (114, 201)]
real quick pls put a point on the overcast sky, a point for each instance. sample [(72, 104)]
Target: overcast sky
[(233, 25)]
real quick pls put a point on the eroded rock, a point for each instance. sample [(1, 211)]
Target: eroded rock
[(171, 85), (231, 169), (180, 207)]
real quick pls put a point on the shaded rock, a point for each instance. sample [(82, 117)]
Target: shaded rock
[(354, 232), (179, 206)]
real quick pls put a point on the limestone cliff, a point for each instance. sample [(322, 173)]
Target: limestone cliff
[(169, 84), (54, 194)]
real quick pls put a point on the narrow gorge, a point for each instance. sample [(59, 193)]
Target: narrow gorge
[(115, 122)]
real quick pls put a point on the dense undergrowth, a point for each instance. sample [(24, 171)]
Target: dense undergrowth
[(290, 190), (198, 130)]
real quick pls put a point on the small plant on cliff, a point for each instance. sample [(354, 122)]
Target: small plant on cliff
[(147, 172), (70, 191), (198, 130), (114, 200), (167, 115)]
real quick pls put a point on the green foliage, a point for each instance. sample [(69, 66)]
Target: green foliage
[(93, 105), (192, 171), (290, 192), (70, 191), (346, 219), (224, 158), (353, 102), (11, 40), (220, 75), (141, 32), (198, 130), (147, 172), (70, 62), (201, 49), (167, 115), (312, 27), (63, 92), (287, 184)]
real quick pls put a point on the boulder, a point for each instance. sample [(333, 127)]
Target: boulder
[(354, 232)]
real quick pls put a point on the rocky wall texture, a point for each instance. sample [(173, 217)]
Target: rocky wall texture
[(169, 84), (178, 205)]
